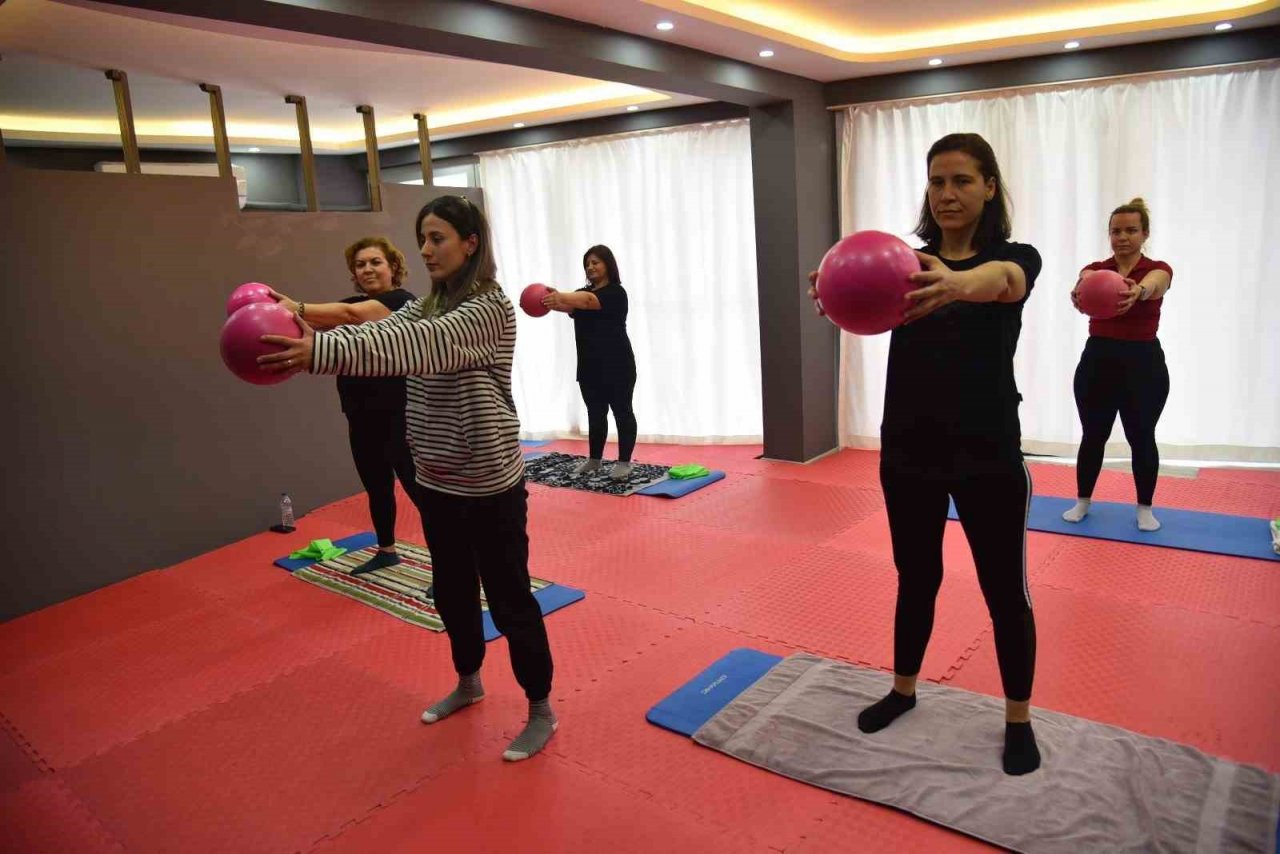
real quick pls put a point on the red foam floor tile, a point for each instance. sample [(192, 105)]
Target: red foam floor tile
[(854, 825), (603, 728), (871, 536), (1191, 677), (67, 626), (84, 702), (541, 806), (850, 467), (1266, 477), (1217, 584), (272, 769), (840, 604), (675, 566), (17, 765), (245, 570), (1211, 495), (786, 508), (44, 815)]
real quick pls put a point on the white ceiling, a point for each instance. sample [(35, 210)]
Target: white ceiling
[(52, 87)]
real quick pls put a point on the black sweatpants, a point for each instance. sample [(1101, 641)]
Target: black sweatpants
[(1129, 378), (381, 454), (993, 510), (600, 395), (482, 540)]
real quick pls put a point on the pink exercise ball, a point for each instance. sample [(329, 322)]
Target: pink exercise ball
[(240, 345), (1100, 294), (862, 281), (531, 299), (249, 292)]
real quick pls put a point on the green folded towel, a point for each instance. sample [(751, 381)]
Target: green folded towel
[(687, 472), (319, 550)]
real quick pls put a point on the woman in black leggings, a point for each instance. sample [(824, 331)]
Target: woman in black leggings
[(374, 406), (1122, 369), (951, 430), (606, 363)]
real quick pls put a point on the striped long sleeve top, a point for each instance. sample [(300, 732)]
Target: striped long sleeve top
[(460, 416)]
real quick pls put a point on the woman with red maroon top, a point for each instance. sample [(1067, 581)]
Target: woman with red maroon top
[(1122, 368)]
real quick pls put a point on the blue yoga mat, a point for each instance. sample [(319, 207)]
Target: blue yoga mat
[(1217, 533), (351, 544), (534, 443), (674, 488), (698, 700), (550, 598)]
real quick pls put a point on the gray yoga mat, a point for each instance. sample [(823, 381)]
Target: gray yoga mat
[(1099, 788)]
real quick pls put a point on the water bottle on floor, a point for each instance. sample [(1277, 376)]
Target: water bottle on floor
[(286, 514)]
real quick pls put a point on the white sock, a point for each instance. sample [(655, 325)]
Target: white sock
[(587, 467), (1075, 514), (1147, 521)]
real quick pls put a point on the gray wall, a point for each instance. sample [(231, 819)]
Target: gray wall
[(132, 447)]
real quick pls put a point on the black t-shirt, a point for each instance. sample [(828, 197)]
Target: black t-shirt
[(951, 401), (604, 350), (375, 394)]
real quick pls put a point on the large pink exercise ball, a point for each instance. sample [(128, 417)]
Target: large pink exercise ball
[(862, 282), (240, 342)]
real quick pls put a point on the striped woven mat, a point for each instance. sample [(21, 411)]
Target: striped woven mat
[(400, 590)]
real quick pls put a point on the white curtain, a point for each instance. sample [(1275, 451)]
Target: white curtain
[(676, 208), (1202, 148)]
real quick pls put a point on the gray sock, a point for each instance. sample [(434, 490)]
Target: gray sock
[(468, 692), (620, 471), (1075, 514), (536, 733), (587, 467), (1146, 520)]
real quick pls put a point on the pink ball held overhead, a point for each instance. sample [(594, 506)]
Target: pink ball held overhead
[(862, 282), (240, 342)]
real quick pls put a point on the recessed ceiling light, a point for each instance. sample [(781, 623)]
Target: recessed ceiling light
[(1223, 26), (766, 53), (254, 150), (935, 61), (518, 125), (666, 25), (632, 108), (1071, 45)]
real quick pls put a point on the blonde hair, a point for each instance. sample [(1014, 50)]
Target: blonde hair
[(395, 259), (1138, 206)]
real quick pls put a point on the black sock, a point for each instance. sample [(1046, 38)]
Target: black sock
[(879, 715), (380, 560), (1021, 756)]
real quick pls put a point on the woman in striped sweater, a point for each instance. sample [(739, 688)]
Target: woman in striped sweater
[(456, 346)]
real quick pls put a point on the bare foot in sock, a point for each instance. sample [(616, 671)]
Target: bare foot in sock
[(1147, 521), (880, 714), (468, 693), (587, 467), (1075, 514), (537, 732), (620, 471)]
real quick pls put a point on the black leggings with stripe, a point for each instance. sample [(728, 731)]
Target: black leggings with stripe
[(1129, 378), (993, 511)]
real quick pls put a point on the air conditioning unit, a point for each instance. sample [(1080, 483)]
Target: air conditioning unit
[(201, 169)]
